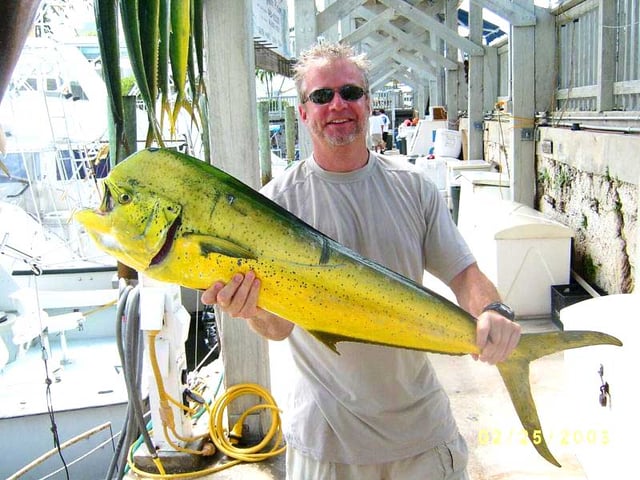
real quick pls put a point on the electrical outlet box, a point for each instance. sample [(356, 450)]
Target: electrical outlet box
[(526, 134), (546, 146)]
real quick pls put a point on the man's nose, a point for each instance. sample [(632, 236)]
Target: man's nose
[(337, 102)]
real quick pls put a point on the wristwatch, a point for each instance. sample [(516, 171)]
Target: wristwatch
[(505, 310)]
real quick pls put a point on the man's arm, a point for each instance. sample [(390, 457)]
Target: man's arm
[(239, 298), (496, 336)]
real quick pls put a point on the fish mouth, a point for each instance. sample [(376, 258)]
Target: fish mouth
[(166, 247)]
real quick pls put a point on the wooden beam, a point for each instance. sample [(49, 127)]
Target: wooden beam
[(332, 15), (416, 65), (369, 27), (475, 79), (306, 35), (451, 76), (518, 13), (383, 77), (389, 46), (412, 40), (450, 35), (522, 167), (410, 43), (606, 55), (306, 24), (234, 148)]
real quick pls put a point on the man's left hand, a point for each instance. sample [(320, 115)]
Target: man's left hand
[(496, 337)]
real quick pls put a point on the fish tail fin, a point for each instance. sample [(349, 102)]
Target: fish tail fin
[(515, 374)]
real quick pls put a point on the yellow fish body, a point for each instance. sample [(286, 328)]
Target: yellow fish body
[(180, 220)]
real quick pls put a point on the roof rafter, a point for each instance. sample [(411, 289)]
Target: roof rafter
[(334, 13), (429, 23), (519, 13)]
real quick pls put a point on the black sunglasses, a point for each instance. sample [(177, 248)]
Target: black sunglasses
[(322, 96)]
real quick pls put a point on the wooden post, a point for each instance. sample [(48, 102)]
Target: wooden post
[(522, 162), (264, 141), (475, 79), (129, 147), (606, 55), (306, 35), (451, 75), (290, 132), (234, 149)]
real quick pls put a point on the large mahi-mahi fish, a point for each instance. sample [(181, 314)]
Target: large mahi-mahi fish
[(180, 220)]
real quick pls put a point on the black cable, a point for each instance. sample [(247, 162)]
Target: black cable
[(122, 299), (132, 349), (50, 409)]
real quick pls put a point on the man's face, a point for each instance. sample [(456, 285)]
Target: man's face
[(338, 122)]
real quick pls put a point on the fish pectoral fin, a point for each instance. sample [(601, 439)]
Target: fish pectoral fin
[(330, 339), (210, 244)]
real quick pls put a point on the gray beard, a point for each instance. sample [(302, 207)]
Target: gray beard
[(342, 140)]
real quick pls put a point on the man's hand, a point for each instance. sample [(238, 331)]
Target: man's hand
[(239, 298), (496, 337)]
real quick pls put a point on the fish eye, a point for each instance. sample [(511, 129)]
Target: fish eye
[(124, 198)]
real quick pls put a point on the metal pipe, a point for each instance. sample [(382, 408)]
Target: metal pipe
[(53, 451), (599, 127), (583, 283), (595, 117)]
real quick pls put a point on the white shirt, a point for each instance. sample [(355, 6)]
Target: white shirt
[(375, 124)]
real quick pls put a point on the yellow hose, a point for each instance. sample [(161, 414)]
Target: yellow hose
[(223, 440)]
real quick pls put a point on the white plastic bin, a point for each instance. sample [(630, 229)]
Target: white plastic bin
[(604, 438), (435, 169), (522, 252), (478, 188), (447, 143), (455, 168), (423, 141)]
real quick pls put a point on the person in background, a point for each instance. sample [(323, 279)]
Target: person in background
[(372, 412), (376, 128), (385, 129)]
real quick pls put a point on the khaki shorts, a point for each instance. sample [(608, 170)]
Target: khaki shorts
[(445, 462), (376, 139)]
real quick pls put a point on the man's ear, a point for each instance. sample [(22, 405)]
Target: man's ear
[(302, 111)]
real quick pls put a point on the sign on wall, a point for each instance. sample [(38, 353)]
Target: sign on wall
[(270, 24)]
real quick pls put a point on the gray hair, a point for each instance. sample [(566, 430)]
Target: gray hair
[(328, 52)]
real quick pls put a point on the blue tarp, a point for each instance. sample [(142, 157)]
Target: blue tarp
[(490, 31)]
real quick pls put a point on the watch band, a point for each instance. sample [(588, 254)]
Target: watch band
[(505, 310)]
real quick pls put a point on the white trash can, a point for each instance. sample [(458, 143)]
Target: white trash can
[(522, 252)]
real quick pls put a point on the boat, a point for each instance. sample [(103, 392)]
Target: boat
[(60, 372)]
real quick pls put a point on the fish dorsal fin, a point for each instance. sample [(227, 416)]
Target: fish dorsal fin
[(210, 244)]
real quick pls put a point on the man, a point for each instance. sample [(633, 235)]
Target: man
[(385, 129), (371, 412), (376, 127)]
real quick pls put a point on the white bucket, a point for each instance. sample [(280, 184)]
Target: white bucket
[(448, 143)]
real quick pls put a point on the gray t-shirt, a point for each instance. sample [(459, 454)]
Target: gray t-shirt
[(370, 404)]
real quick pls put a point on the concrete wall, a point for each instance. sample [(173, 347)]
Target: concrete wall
[(588, 181)]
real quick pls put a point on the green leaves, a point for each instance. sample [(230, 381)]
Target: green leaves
[(163, 38)]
